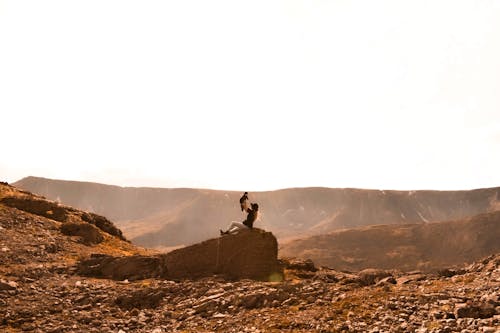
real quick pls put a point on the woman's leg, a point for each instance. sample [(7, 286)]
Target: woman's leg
[(236, 226)]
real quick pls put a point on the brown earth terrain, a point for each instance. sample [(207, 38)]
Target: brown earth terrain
[(161, 218), (427, 247), (42, 289)]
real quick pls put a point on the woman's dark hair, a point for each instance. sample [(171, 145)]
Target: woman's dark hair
[(255, 206)]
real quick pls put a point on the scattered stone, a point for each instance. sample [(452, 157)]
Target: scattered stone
[(219, 315), (488, 329), (370, 276), (299, 264), (410, 278), (450, 272), (8, 285), (386, 281), (475, 310), (140, 299)]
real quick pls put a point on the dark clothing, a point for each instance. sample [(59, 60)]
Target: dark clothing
[(251, 217)]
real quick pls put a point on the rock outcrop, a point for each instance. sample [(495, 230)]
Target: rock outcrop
[(88, 233), (135, 267), (33, 205), (102, 223), (40, 206), (249, 254)]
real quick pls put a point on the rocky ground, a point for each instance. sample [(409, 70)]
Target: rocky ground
[(322, 301), (41, 292)]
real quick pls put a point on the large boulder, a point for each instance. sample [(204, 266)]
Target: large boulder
[(249, 254), (37, 206), (102, 223), (474, 310), (55, 211), (88, 233), (120, 268)]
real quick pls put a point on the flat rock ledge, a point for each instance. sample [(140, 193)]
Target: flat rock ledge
[(250, 254)]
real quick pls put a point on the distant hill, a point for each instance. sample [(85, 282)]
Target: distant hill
[(158, 217), (425, 247)]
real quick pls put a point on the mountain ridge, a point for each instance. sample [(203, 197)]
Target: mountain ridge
[(426, 247), (157, 217)]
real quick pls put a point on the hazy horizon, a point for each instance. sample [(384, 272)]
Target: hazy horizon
[(266, 95), (242, 190)]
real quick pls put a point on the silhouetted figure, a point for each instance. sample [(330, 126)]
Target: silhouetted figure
[(244, 202), (253, 214)]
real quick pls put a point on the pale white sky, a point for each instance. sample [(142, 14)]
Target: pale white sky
[(252, 95)]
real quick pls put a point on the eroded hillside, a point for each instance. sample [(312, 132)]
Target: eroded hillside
[(39, 235), (407, 247), (156, 217)]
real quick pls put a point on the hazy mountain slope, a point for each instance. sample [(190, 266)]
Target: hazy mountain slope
[(407, 247), (169, 217), (115, 202)]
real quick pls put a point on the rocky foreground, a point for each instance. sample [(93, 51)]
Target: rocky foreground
[(44, 300), (42, 291)]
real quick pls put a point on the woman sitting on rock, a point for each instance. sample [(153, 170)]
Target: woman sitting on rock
[(253, 213)]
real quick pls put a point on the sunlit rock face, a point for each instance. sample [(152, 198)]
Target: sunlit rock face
[(250, 254)]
